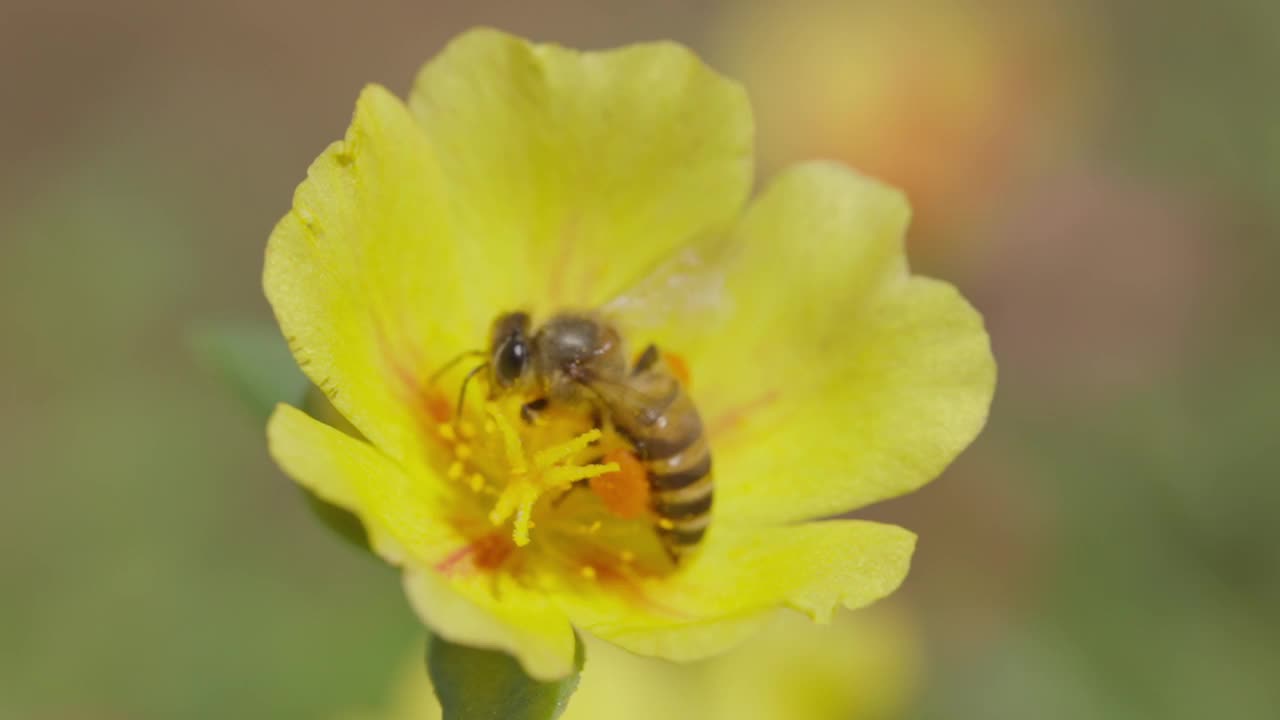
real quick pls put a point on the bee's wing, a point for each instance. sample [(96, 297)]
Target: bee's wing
[(685, 292), (639, 399)]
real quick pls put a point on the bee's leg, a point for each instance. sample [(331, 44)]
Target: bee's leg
[(529, 411), (671, 553), (646, 359)]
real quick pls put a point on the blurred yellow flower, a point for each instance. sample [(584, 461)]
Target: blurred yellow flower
[(862, 667), (538, 178)]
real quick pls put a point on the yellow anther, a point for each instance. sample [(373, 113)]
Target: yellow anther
[(467, 428), (595, 527), (516, 500), (462, 452), (447, 432), (563, 475), (510, 441), (627, 556), (523, 522), (588, 572), (476, 481), (556, 453), (456, 470), (665, 524)]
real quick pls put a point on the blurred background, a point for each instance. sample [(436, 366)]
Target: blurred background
[(1102, 179)]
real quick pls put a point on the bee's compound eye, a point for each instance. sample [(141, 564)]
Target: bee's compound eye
[(511, 361)]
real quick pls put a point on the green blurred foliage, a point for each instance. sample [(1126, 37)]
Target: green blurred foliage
[(255, 363), (154, 564), (1161, 595), (1108, 549)]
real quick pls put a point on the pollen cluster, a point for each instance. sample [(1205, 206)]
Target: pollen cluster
[(515, 464)]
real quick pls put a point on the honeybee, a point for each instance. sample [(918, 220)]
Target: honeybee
[(580, 359)]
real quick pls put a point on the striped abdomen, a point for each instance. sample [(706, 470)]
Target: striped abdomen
[(681, 490), (668, 439)]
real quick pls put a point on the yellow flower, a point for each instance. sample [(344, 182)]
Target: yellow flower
[(865, 666), (536, 178)]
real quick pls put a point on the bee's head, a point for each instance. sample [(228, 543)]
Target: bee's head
[(509, 351)]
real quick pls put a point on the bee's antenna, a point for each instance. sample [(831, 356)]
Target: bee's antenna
[(452, 363), (462, 393)]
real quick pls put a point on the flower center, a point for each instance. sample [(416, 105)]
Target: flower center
[(529, 476), (515, 464), (556, 486)]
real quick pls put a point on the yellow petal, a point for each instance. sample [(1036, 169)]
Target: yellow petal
[(361, 271), (574, 172), (863, 665), (494, 612), (838, 379), (483, 609), (400, 515), (618, 685), (738, 577)]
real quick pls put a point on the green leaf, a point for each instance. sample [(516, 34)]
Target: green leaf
[(475, 684), (255, 362)]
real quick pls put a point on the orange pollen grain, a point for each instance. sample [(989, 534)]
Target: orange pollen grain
[(679, 367), (626, 492)]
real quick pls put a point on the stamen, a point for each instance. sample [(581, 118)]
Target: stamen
[(528, 478), (523, 522), (500, 458), (565, 475), (510, 440), (554, 454), (516, 498)]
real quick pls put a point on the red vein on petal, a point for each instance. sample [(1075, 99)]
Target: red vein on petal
[(733, 417)]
